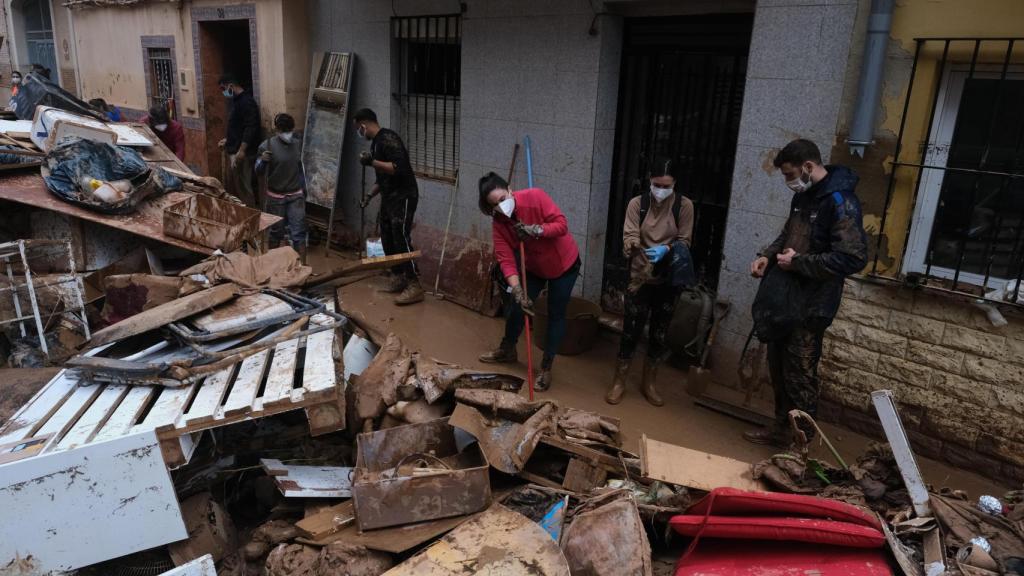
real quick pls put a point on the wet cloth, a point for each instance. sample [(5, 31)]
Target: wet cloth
[(278, 268)]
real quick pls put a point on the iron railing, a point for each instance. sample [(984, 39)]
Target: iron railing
[(428, 77), (161, 75), (959, 160)]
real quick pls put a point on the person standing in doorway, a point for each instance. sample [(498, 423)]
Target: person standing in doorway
[(822, 242), (15, 83), (241, 141), (168, 130), (399, 195), (532, 218), (656, 242), (280, 158)]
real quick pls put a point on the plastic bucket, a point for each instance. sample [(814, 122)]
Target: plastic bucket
[(581, 325)]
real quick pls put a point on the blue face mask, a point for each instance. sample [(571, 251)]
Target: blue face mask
[(228, 93)]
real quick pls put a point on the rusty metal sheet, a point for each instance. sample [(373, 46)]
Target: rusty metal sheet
[(498, 542), (507, 443), (387, 492), (147, 221)]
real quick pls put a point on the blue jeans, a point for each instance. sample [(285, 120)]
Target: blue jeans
[(559, 293), (292, 210)]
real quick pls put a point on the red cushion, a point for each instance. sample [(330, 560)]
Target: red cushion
[(776, 528), (724, 558), (735, 502)]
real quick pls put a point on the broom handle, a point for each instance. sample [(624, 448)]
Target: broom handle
[(526, 316)]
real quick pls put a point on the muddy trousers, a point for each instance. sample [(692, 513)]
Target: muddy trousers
[(239, 180), (292, 210), (559, 293), (793, 366), (396, 217), (653, 305)]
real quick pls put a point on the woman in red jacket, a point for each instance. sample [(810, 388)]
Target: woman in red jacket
[(530, 217)]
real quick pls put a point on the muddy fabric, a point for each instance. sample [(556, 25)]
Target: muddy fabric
[(293, 560), (607, 539), (590, 426), (377, 387), (343, 559), (129, 294), (653, 305), (793, 365), (278, 268), (268, 535), (500, 403), (961, 520)]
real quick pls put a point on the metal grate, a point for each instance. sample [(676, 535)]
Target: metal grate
[(957, 178), (428, 70), (161, 75)]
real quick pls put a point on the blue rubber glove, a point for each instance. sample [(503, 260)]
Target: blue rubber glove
[(656, 253)]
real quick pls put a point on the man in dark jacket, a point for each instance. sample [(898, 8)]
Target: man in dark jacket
[(399, 195), (242, 139), (822, 242)]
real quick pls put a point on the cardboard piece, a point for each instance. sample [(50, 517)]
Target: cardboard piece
[(692, 468)]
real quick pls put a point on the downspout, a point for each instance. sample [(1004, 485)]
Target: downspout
[(872, 67)]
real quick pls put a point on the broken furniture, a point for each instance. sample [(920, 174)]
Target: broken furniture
[(309, 481), (53, 126), (18, 258), (418, 472), (211, 222)]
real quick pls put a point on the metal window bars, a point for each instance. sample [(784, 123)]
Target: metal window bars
[(161, 66), (15, 257), (959, 160), (428, 76)]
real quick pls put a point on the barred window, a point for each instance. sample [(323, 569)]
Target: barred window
[(427, 64), (161, 78)]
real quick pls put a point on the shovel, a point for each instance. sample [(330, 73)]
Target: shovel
[(698, 377)]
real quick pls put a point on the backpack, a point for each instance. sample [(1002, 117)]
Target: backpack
[(779, 306), (645, 206), (687, 334)]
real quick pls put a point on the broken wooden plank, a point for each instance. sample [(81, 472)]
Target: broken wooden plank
[(165, 314), (127, 413), (68, 414), (203, 566), (80, 507), (167, 409), (281, 376), (693, 468), (582, 477), (94, 418), (247, 384), (318, 374), (38, 410), (364, 265), (210, 396), (328, 521), (394, 540), (310, 481)]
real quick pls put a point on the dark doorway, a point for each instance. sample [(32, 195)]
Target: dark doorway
[(224, 46), (680, 96)]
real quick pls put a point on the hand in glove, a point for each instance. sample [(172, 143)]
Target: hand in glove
[(365, 158), (529, 231), (656, 253), (520, 297)]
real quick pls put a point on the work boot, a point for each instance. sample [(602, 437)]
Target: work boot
[(543, 381), (412, 294), (618, 387), (394, 284), (771, 435), (649, 383), (505, 353)]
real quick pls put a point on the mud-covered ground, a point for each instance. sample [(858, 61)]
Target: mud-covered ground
[(18, 385)]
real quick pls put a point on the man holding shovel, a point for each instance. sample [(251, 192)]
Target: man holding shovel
[(822, 243)]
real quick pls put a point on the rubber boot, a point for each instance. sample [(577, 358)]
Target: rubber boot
[(505, 353), (770, 435), (302, 254), (649, 383), (544, 377), (412, 294), (394, 284), (618, 387)]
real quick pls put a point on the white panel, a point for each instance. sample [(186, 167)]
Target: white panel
[(83, 506), (199, 567)]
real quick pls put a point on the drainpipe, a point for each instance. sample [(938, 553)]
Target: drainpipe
[(872, 67)]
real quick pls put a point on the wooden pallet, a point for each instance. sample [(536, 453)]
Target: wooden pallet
[(263, 384)]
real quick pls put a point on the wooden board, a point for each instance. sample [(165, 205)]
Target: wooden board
[(394, 540), (80, 507), (27, 420), (693, 468), (281, 376), (247, 384), (330, 520), (377, 263), (210, 397), (93, 419), (69, 411), (309, 481), (203, 566), (127, 413), (164, 413), (165, 313), (318, 373)]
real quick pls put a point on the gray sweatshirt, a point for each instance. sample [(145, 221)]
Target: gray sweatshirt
[(284, 171)]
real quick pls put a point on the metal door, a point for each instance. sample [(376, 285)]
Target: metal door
[(680, 96)]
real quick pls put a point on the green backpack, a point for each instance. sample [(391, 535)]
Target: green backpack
[(691, 323)]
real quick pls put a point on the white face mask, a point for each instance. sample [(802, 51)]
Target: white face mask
[(800, 184), (286, 137), (160, 127), (660, 193), (507, 206)]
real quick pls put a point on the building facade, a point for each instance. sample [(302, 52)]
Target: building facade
[(170, 54), (602, 88)]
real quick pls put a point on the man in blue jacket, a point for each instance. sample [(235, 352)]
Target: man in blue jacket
[(822, 242)]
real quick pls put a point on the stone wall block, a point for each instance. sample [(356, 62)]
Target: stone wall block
[(882, 341), (935, 356), (980, 343), (916, 327), (994, 371), (864, 313), (904, 371)]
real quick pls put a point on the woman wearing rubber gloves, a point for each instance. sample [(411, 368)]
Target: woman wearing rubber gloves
[(656, 241), (530, 217)]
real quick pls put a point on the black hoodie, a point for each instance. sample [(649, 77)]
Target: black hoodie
[(826, 229)]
